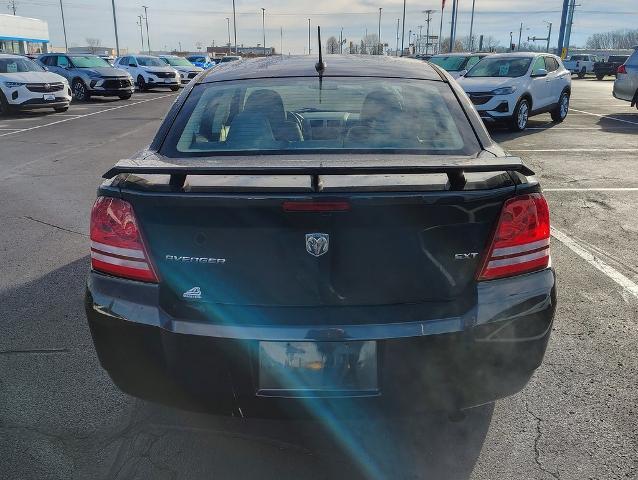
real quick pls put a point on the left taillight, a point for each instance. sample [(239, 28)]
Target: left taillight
[(521, 240), (117, 246)]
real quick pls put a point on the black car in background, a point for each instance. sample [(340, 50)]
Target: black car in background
[(299, 238), (609, 67)]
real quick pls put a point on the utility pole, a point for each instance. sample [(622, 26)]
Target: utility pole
[(228, 25), (472, 27), (263, 27), (341, 41), (438, 50), (379, 45), (148, 38), (520, 34), (235, 27), (12, 6), (453, 26), (180, 47), (140, 24), (549, 35), (396, 52), (403, 28), (418, 43), (511, 40), (117, 39), (427, 32), (309, 49), (281, 39), (66, 45)]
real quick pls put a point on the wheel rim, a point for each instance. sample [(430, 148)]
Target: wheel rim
[(523, 113), (79, 91), (140, 82), (564, 105)]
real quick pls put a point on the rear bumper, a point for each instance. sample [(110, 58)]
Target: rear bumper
[(486, 354)]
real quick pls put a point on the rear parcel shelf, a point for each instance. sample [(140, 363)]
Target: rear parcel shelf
[(323, 165)]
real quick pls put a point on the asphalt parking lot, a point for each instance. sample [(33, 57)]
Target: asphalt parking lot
[(61, 417)]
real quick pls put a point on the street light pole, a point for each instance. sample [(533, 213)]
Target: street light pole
[(438, 50), (453, 27), (228, 24), (309, 48), (379, 47), (472, 27), (263, 27), (341, 42), (549, 35), (511, 40), (419, 40), (148, 39), (117, 40), (396, 52), (235, 27), (141, 25), (66, 45), (403, 28), (427, 32)]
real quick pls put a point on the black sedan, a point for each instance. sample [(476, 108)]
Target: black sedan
[(301, 234)]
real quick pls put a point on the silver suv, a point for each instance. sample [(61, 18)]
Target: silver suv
[(626, 84), (90, 75)]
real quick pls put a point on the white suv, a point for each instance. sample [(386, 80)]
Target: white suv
[(25, 85), (149, 72), (512, 87)]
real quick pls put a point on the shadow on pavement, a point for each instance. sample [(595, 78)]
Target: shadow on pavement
[(62, 417)]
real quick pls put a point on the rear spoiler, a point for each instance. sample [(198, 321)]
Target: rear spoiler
[(455, 168)]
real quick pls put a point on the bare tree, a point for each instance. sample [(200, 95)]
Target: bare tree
[(93, 44), (614, 39), (490, 43), (445, 45), (332, 45)]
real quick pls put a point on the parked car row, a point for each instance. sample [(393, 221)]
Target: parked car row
[(51, 80)]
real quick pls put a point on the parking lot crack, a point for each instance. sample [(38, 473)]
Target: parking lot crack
[(54, 226), (537, 451)]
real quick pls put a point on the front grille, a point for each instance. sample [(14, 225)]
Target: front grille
[(165, 74), (117, 83), (480, 98), (45, 87)]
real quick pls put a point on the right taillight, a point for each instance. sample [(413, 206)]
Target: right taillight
[(117, 247), (520, 243), (621, 69)]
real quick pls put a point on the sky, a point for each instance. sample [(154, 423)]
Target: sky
[(190, 22)]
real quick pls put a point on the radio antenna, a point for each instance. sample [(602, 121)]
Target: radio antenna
[(320, 66)]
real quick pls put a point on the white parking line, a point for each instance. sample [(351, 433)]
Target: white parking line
[(558, 150), (86, 115), (553, 129), (626, 283), (605, 116), (596, 189)]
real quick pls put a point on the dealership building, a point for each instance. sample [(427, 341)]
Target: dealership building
[(23, 35)]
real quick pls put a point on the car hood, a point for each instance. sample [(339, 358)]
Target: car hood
[(188, 69), (32, 77), (104, 72), (485, 84), (158, 69)]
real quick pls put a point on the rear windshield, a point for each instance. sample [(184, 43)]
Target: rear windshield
[(452, 63), (299, 114), (618, 58)]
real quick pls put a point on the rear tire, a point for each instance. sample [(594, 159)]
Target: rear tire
[(80, 92), (61, 109), (582, 73), (600, 76), (125, 97), (175, 88), (5, 108), (562, 109), (141, 83), (519, 119)]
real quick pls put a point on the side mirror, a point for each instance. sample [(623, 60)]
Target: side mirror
[(540, 73)]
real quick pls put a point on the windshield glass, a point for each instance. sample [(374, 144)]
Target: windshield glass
[(18, 65), (150, 62), (500, 67), (177, 61), (89, 61), (451, 63), (345, 114)]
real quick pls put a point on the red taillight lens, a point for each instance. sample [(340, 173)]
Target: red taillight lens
[(117, 247), (303, 206), (621, 69), (521, 240)]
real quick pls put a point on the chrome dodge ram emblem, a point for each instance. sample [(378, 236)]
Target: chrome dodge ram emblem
[(317, 243)]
